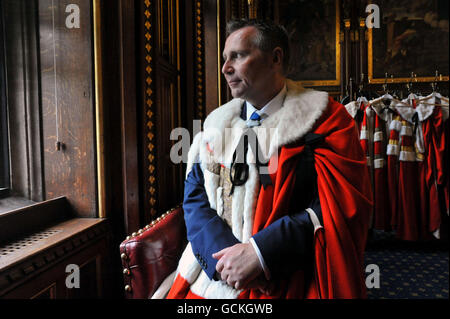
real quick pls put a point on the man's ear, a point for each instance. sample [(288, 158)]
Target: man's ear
[(278, 56)]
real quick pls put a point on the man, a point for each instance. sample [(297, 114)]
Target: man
[(291, 227)]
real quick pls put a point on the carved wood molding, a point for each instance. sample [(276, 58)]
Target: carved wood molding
[(149, 110), (20, 271), (199, 60)]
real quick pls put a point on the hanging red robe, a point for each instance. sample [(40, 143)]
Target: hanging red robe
[(446, 187), (382, 218), (364, 136), (408, 191), (392, 152), (434, 141), (346, 201), (424, 190)]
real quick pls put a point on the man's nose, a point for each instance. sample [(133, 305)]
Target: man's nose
[(227, 67)]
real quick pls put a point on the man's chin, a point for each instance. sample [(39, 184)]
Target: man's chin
[(237, 94)]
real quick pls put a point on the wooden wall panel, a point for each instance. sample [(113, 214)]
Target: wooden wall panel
[(211, 55), (67, 104), (22, 66), (160, 108), (129, 138)]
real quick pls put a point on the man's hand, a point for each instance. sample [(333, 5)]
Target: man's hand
[(238, 265)]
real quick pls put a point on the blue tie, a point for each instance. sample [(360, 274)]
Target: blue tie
[(255, 116), (254, 120)]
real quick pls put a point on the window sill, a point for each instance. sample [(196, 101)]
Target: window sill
[(41, 241), (17, 223), (11, 203), (25, 258)]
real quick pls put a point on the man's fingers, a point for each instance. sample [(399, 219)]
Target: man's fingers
[(219, 254), (219, 266)]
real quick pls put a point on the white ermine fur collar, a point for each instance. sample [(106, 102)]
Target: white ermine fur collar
[(300, 110)]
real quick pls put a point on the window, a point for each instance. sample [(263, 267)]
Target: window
[(47, 95), (4, 149)]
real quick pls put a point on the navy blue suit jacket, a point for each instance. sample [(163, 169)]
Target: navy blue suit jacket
[(286, 245)]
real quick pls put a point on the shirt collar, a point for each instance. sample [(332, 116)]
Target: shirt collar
[(270, 108)]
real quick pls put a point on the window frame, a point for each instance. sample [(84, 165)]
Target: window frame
[(4, 132)]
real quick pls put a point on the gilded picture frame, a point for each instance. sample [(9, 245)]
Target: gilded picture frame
[(411, 39)]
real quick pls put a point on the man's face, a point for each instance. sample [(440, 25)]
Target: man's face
[(246, 68)]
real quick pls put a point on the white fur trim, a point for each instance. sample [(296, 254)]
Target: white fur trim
[(424, 111), (188, 266), (420, 143), (392, 149), (407, 156), (445, 113), (377, 106), (437, 233), (237, 211), (406, 112), (193, 154), (395, 125), (219, 201), (164, 288), (252, 187), (352, 108), (378, 163), (211, 184), (378, 136), (212, 289), (406, 131), (364, 135), (301, 109)]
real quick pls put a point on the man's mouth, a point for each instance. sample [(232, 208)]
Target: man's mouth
[(233, 83)]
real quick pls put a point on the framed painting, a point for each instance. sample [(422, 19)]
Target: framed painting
[(412, 38), (313, 28)]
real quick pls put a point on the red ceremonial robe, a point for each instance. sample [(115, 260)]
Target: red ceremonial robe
[(346, 200), (407, 224), (434, 138), (392, 152), (381, 197)]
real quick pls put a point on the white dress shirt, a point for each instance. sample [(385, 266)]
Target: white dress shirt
[(271, 107)]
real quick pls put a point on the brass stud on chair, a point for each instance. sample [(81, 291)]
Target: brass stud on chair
[(126, 271), (128, 288), (134, 234), (124, 256), (128, 238)]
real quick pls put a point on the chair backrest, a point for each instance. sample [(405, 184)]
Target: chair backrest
[(152, 253)]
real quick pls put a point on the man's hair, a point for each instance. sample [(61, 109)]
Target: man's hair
[(270, 36)]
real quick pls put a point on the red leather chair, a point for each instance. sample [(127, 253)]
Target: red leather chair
[(152, 253)]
